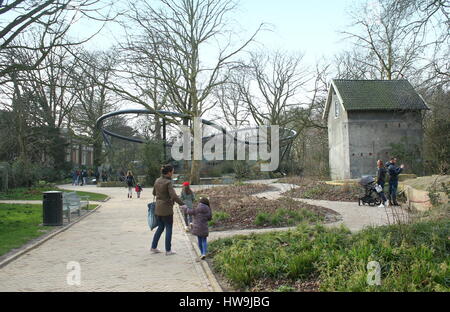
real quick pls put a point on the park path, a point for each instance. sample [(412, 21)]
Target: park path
[(112, 247), (354, 217)]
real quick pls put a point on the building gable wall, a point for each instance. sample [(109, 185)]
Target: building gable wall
[(372, 133), (338, 141)]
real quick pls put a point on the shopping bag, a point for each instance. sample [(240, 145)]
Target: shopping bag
[(152, 221)]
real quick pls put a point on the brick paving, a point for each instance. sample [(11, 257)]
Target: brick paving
[(112, 247)]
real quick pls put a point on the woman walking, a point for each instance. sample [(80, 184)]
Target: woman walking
[(188, 197), (130, 183), (165, 198), (202, 214), (381, 179)]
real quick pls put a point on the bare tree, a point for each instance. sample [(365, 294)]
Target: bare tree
[(231, 101), (178, 33), (42, 26), (309, 152), (348, 65), (274, 85), (427, 14), (40, 100), (389, 49), (92, 100)]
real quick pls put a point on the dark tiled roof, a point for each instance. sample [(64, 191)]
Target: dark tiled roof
[(378, 95)]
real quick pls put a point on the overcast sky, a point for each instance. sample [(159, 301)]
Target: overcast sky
[(304, 26)]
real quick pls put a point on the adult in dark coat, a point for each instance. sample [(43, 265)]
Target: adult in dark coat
[(394, 172), (381, 179), (202, 214), (165, 198)]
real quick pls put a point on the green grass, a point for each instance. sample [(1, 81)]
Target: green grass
[(35, 193), (20, 223), (284, 216), (413, 257)]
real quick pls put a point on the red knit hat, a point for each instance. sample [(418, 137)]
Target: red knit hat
[(186, 183)]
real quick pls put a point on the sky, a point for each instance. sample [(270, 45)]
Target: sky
[(306, 26)]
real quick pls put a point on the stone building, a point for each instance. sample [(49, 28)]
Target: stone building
[(365, 117)]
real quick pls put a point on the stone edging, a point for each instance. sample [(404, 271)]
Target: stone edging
[(206, 269), (46, 238)]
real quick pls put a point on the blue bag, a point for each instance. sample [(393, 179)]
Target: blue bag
[(152, 221)]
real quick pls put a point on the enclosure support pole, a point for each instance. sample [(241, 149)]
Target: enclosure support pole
[(164, 139)]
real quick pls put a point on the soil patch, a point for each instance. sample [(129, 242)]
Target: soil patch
[(313, 189), (234, 209)]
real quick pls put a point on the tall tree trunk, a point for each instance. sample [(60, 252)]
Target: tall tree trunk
[(158, 128), (195, 171), (98, 150)]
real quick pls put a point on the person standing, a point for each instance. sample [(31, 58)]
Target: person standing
[(394, 172), (381, 180), (104, 176), (130, 183), (165, 198), (138, 190), (97, 176), (85, 177), (188, 197), (78, 173), (202, 214), (74, 177)]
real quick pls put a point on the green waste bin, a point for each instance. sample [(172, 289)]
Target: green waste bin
[(52, 206)]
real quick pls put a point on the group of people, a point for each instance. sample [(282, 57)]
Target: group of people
[(195, 218), (80, 177), (393, 170)]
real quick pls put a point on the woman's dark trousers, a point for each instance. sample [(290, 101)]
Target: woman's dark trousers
[(163, 223), (382, 195), (393, 185)]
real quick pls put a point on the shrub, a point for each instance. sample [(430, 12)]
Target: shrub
[(218, 216), (241, 169), (412, 257), (23, 173), (153, 157), (262, 219)]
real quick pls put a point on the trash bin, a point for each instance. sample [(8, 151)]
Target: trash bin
[(52, 208)]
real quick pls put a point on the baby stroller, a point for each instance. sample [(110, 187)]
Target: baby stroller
[(371, 196)]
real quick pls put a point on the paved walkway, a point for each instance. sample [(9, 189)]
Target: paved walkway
[(112, 248), (354, 217)]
